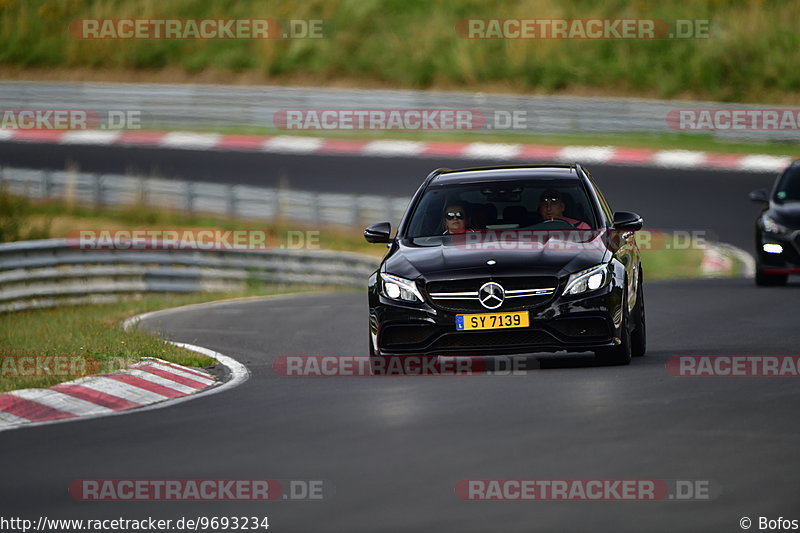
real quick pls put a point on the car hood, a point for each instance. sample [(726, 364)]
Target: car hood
[(787, 214), (445, 257)]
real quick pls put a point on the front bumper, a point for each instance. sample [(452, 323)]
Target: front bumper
[(786, 262), (572, 324)]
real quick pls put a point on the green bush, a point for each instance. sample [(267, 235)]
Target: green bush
[(15, 219)]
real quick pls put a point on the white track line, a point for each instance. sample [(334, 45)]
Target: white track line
[(764, 163), (587, 154), (293, 145), (179, 139), (492, 150), (678, 159), (89, 137), (393, 148)]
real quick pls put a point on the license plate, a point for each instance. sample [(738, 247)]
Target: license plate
[(492, 321)]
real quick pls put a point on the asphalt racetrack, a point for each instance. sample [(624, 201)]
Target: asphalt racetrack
[(394, 448)]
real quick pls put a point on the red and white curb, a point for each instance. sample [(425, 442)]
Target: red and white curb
[(719, 259), (288, 144), (149, 384)]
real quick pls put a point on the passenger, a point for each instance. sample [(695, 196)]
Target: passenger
[(551, 207), (455, 219)]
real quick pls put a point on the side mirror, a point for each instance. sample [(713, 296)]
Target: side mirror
[(379, 232), (627, 221), (760, 196)]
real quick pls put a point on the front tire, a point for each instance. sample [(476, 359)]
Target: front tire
[(639, 335), (621, 353), (770, 280)]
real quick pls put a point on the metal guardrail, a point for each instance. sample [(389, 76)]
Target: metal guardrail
[(47, 273), (164, 105), (257, 203)]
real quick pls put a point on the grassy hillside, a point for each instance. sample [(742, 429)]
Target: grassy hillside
[(751, 55)]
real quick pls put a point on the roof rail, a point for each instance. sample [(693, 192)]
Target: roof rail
[(436, 173)]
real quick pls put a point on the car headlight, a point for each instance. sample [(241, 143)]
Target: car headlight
[(770, 226), (590, 279), (398, 288)]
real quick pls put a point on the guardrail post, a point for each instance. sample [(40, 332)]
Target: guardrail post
[(278, 210), (143, 191), (316, 206), (356, 216), (47, 184), (97, 186), (230, 200), (189, 198)]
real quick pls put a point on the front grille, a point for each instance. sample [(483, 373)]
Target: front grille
[(493, 339), (474, 306), (461, 296), (508, 283)]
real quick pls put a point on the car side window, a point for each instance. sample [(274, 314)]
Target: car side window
[(603, 203)]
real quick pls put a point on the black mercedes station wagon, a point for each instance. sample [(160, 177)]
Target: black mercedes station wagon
[(508, 260), (778, 228)]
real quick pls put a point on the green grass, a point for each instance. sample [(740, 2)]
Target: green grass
[(91, 335), (671, 264), (750, 56)]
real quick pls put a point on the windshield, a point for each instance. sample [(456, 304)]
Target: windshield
[(789, 186), (520, 204)]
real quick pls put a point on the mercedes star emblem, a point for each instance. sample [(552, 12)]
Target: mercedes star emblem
[(491, 295)]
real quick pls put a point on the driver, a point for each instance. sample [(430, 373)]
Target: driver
[(551, 207), (455, 219)]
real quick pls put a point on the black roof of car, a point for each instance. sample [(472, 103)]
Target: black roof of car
[(506, 173)]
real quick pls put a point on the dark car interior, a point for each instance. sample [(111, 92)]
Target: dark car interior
[(498, 207)]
